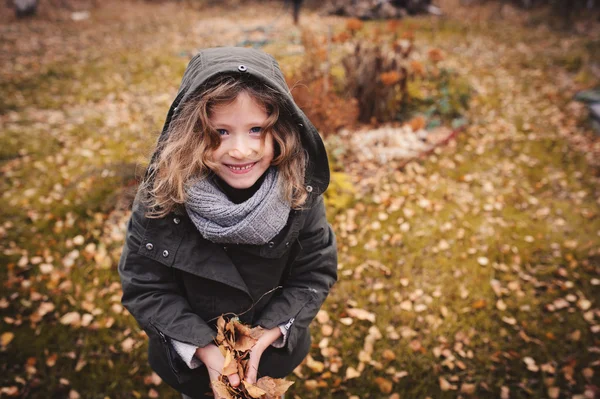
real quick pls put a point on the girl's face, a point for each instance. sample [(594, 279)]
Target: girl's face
[(243, 156)]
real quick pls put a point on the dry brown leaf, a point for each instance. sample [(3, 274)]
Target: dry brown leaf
[(6, 338), (244, 343), (361, 314), (553, 392), (230, 365), (480, 304), (81, 363), (385, 386), (311, 385), (221, 390), (322, 316), (127, 344), (71, 318), (221, 324), (446, 386), (274, 387), (351, 372), (468, 389), (326, 330), (10, 391), (253, 390), (241, 370), (388, 355), (51, 360), (314, 365), (240, 328)]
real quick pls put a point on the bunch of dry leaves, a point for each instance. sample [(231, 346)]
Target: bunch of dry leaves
[(235, 340)]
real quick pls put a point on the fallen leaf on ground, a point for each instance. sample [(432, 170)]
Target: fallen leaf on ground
[(361, 314)]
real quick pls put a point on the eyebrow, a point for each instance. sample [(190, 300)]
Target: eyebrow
[(226, 126)]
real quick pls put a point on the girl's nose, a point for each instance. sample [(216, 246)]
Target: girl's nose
[(240, 149)]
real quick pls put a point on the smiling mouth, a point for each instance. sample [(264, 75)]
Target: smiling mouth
[(240, 168)]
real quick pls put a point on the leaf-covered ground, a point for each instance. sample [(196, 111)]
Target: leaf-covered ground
[(474, 271)]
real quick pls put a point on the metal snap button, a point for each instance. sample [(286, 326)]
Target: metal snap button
[(149, 246), (300, 124), (165, 253), (242, 68), (176, 220), (271, 244), (309, 189), (287, 244)]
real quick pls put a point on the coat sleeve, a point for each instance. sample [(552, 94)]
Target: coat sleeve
[(312, 274), (152, 295)]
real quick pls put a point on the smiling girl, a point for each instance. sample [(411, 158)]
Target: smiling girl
[(230, 220)]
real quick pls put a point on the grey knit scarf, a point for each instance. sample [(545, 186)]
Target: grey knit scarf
[(255, 221)]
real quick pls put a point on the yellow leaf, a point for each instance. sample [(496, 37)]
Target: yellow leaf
[(480, 304), (230, 365), (6, 338)]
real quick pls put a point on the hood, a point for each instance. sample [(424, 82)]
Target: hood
[(238, 60)]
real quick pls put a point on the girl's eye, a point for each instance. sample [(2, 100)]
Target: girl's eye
[(256, 129), (222, 132)]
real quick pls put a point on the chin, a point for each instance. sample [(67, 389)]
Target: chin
[(240, 184)]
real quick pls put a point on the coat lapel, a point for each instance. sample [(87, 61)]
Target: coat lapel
[(209, 260)]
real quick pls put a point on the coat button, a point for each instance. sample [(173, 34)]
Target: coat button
[(309, 189), (300, 124), (149, 246), (242, 68), (176, 220), (271, 244), (287, 244), (165, 253)]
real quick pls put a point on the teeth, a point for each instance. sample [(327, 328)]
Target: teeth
[(241, 168)]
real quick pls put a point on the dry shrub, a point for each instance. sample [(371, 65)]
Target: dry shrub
[(313, 89), (327, 110), (392, 82), (383, 79), (377, 78)]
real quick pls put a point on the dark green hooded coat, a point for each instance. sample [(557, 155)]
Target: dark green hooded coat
[(175, 282)]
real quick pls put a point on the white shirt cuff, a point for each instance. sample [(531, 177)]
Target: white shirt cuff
[(187, 353), (284, 328)]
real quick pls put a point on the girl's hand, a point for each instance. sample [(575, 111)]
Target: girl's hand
[(268, 337), (213, 360)]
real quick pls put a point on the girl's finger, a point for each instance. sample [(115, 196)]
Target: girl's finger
[(234, 379), (251, 372)]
